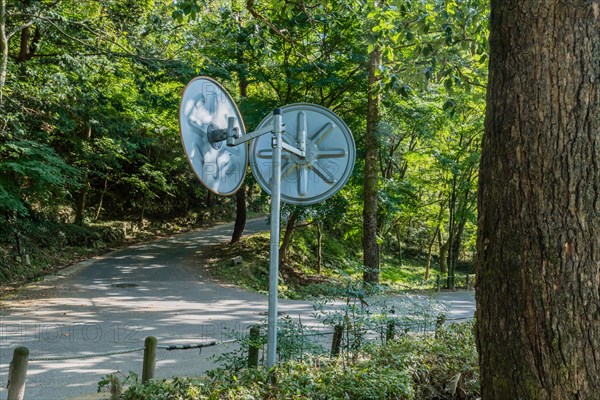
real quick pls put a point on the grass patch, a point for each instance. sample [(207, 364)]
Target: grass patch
[(408, 274), (253, 272)]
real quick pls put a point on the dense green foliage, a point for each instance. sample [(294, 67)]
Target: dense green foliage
[(441, 366), (89, 93), (89, 124)]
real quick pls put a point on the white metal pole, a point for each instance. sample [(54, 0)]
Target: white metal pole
[(274, 256)]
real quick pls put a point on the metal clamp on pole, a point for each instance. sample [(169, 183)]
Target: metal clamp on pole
[(233, 140)]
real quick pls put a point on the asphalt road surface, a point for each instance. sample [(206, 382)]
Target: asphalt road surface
[(112, 303)]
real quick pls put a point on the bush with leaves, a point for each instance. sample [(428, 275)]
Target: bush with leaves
[(324, 379), (444, 366), (435, 367), (178, 388)]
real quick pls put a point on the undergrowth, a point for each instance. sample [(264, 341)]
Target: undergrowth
[(411, 367), (300, 277), (388, 349)]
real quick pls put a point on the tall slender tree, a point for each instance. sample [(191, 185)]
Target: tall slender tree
[(538, 260), (371, 175)]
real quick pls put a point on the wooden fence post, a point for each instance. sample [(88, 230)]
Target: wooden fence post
[(253, 347), (467, 283), (391, 331), (437, 282), (17, 373), (439, 323), (149, 359), (338, 331)]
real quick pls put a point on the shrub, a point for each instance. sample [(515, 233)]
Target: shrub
[(364, 380), (444, 366), (177, 389), (434, 367)]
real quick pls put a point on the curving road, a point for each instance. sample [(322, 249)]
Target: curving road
[(113, 302)]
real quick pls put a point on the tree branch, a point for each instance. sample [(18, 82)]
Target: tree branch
[(19, 29), (466, 78), (305, 224), (257, 15)]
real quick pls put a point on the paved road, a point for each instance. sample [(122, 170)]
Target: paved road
[(114, 302)]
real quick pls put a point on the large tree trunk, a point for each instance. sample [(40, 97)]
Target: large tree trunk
[(24, 46), (370, 245), (538, 302)]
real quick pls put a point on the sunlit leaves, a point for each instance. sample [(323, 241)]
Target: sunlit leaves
[(116, 68), (98, 105), (32, 174), (187, 8)]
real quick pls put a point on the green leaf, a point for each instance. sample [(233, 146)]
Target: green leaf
[(449, 105), (448, 84), (428, 71)]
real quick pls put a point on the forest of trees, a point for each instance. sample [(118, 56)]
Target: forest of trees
[(89, 95), (89, 98)]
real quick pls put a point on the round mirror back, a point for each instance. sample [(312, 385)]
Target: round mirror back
[(329, 154), (205, 108)]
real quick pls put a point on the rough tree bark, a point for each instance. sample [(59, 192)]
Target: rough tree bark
[(370, 245), (28, 45), (538, 299)]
